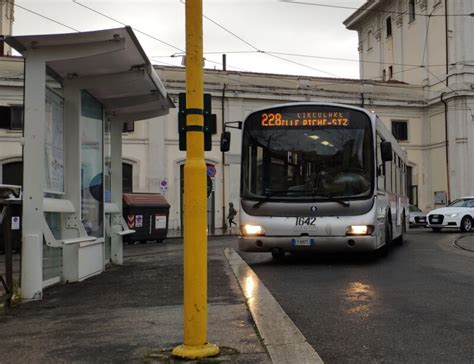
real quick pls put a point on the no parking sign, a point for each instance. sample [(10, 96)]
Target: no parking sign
[(211, 170)]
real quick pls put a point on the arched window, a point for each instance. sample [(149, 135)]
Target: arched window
[(388, 26), (369, 39)]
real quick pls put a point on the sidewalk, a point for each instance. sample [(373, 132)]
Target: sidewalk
[(131, 314)]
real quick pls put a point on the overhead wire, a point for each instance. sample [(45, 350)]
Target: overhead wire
[(137, 30), (258, 50), (368, 10), (42, 16), (426, 39), (124, 24)]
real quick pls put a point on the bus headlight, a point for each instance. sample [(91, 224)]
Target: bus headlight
[(254, 230), (359, 229)]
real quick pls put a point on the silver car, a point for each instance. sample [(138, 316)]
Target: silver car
[(417, 217)]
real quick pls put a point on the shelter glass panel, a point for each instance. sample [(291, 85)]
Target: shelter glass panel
[(107, 163), (107, 183), (52, 257), (92, 165)]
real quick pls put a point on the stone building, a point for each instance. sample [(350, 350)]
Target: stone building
[(427, 43)]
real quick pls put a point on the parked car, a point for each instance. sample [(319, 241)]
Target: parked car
[(417, 217), (459, 214)]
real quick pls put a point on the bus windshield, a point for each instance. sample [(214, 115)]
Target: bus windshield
[(307, 152)]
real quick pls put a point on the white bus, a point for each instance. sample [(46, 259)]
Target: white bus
[(320, 177)]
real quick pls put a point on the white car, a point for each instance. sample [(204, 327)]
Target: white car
[(417, 217), (459, 214)]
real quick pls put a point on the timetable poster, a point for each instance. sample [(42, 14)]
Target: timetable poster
[(54, 143)]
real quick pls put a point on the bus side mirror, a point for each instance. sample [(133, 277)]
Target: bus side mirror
[(225, 141), (386, 151)]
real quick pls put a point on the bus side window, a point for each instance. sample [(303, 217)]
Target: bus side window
[(394, 173), (404, 179), (397, 174), (380, 166), (388, 177)]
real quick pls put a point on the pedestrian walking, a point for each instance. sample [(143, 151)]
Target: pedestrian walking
[(231, 215)]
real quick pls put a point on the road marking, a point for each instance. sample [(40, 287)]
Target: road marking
[(283, 340)]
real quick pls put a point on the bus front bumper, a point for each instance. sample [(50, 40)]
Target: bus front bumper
[(315, 243)]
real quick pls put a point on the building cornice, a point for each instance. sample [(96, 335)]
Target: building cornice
[(297, 88), (352, 21)]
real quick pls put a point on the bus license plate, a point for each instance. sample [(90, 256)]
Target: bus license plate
[(302, 242)]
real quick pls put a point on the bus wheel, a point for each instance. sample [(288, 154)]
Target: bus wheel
[(466, 224), (278, 253), (400, 239)]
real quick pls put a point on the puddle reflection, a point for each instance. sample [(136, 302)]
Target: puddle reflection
[(249, 286), (361, 298)]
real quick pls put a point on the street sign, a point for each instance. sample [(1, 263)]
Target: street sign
[(15, 223), (211, 171), (138, 221), (164, 185)]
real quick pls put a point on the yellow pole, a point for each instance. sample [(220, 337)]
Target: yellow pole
[(195, 198)]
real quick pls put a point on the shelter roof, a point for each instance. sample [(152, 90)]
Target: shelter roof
[(110, 64)]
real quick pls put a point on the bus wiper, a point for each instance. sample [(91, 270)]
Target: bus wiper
[(331, 198), (270, 195), (327, 196)]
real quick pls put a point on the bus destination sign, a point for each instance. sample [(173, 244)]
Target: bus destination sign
[(305, 119)]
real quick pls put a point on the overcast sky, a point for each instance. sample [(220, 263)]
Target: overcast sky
[(272, 26)]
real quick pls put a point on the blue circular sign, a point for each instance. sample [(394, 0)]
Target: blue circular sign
[(211, 171)]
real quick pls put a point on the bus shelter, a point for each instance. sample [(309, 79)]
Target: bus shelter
[(79, 90)]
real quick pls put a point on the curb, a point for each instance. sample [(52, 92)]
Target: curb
[(283, 340), (457, 244)]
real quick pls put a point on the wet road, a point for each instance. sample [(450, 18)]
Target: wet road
[(415, 306)]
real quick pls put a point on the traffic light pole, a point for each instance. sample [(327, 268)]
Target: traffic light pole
[(195, 200)]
